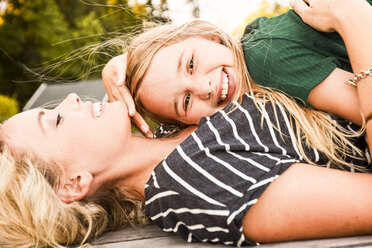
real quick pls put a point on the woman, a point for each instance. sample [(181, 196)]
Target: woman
[(53, 157), (70, 173)]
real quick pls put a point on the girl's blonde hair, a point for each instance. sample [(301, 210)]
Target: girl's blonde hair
[(314, 128), (32, 215)]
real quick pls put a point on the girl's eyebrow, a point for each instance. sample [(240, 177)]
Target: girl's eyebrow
[(39, 116)]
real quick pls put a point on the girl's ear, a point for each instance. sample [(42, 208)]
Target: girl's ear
[(76, 187)]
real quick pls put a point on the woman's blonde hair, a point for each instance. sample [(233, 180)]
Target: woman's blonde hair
[(32, 215), (314, 128)]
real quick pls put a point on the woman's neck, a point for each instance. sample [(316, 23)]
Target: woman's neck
[(134, 166), (144, 156)]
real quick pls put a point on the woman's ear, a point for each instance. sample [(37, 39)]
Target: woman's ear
[(76, 187)]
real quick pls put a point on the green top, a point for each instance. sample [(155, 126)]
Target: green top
[(284, 53)]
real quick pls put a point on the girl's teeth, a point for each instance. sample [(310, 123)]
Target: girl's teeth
[(225, 79), (225, 87)]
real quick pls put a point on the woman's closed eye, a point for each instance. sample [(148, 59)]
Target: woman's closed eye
[(59, 118)]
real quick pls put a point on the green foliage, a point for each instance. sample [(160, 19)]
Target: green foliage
[(38, 39), (27, 39), (41, 34), (8, 107)]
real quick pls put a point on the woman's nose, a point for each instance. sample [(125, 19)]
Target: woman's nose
[(73, 98), (71, 101)]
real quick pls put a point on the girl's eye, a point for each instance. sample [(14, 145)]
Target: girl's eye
[(59, 118), (191, 65), (186, 102)]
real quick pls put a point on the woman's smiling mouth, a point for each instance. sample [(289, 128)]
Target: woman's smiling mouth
[(97, 109)]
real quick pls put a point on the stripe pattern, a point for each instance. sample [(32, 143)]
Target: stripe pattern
[(204, 188)]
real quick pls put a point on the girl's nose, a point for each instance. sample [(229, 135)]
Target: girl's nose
[(203, 88)]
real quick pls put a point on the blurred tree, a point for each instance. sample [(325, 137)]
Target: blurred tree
[(26, 37), (41, 34), (152, 11), (8, 107), (265, 9), (195, 8)]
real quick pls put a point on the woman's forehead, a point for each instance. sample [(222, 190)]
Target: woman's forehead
[(24, 127)]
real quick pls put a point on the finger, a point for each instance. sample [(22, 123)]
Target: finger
[(122, 94), (127, 98), (142, 125), (121, 80), (110, 90), (114, 95), (111, 96), (299, 6)]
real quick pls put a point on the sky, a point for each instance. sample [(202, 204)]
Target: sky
[(228, 14)]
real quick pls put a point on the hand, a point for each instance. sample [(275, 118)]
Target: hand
[(327, 15), (113, 77)]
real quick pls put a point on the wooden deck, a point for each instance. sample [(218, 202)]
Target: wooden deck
[(152, 237)]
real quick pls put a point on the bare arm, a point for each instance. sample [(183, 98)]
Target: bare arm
[(334, 96), (358, 39), (309, 202), (352, 20)]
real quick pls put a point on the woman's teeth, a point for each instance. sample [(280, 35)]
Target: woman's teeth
[(225, 86), (97, 109)]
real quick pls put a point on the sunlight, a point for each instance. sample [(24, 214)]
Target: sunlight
[(227, 14)]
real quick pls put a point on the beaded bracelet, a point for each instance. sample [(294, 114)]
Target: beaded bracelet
[(359, 76)]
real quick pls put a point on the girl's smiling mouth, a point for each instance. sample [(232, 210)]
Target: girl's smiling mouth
[(227, 87)]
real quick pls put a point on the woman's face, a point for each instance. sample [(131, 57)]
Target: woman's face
[(189, 80), (76, 134)]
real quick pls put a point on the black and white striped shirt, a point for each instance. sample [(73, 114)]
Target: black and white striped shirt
[(204, 188)]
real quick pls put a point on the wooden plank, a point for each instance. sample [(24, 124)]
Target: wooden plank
[(154, 237), (162, 242), (346, 242), (150, 231)]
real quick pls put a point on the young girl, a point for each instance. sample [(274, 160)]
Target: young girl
[(299, 70)]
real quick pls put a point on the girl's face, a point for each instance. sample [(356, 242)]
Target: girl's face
[(77, 134), (189, 80)]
